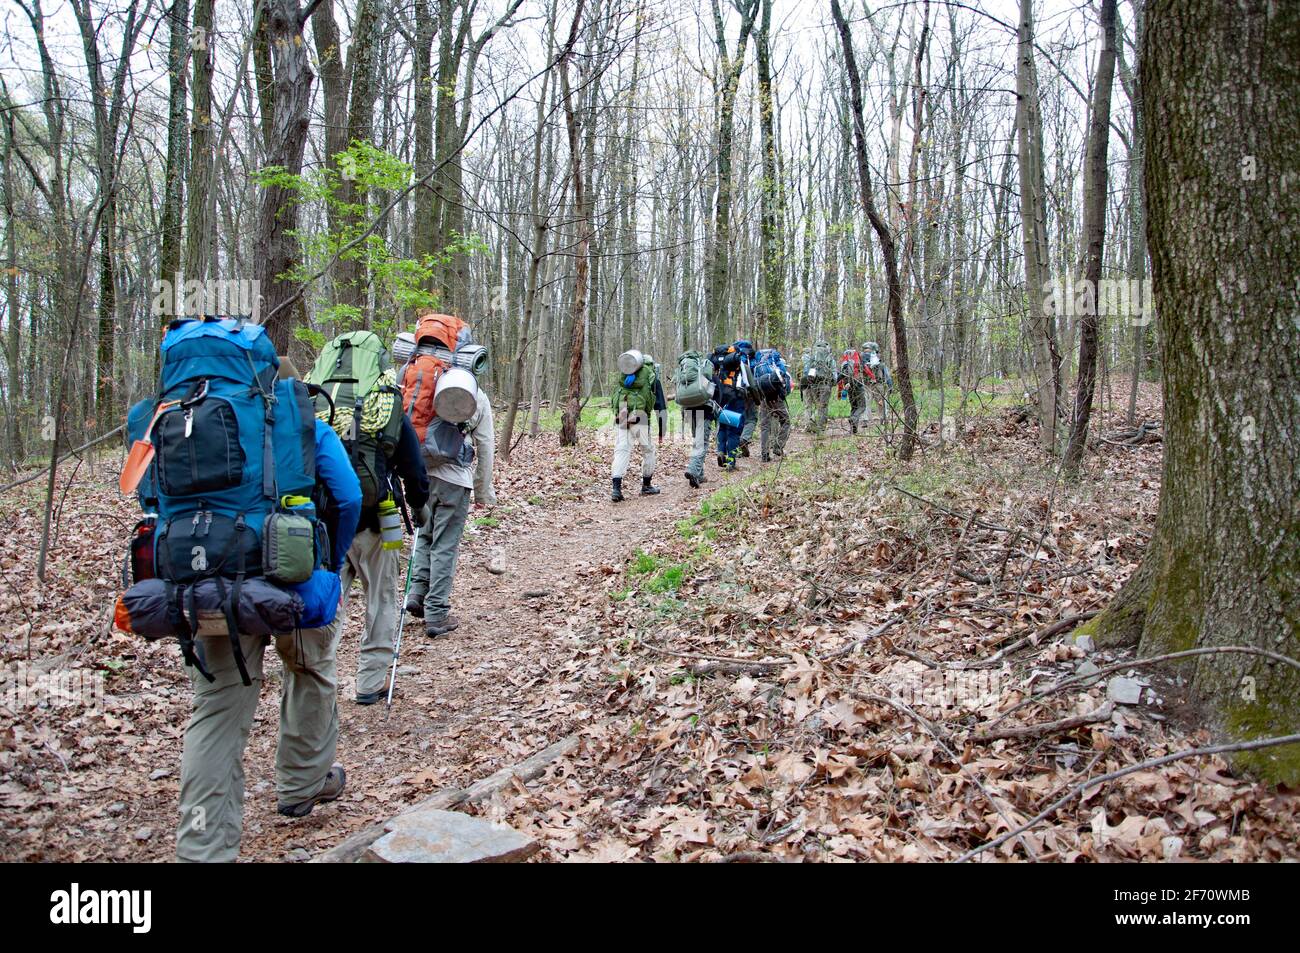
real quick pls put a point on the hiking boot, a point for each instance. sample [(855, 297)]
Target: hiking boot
[(647, 489), (767, 458), (744, 449), (335, 780), (415, 606), (693, 480), (616, 495), (722, 460), (441, 627), (374, 698)]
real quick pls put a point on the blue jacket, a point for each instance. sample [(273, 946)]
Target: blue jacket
[(334, 470)]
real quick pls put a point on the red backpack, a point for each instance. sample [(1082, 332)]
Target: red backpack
[(851, 364), (419, 378)]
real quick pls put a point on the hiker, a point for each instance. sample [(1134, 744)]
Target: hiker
[(851, 384), (694, 395), (232, 559), (772, 384), (459, 458), (747, 355), (384, 450), (819, 375), (876, 375), (730, 395), (637, 395)]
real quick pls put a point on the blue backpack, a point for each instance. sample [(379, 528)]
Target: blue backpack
[(232, 476), (769, 374)]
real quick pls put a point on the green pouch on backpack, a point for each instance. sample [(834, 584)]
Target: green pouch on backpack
[(288, 548)]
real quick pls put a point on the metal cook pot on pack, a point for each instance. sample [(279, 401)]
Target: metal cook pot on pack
[(629, 362), (456, 397)]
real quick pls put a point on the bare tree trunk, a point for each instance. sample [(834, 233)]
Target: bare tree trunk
[(888, 248), (1096, 181), (729, 70), (541, 226), (1223, 566), (1033, 216), (277, 244), (178, 141), (573, 407), (198, 229)]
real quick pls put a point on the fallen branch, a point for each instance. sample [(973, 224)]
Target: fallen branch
[(1048, 728), (46, 469), (529, 769), (1144, 663), (1078, 789)]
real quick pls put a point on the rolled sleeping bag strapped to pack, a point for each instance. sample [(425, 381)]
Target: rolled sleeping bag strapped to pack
[(629, 362), (471, 357), (403, 348), (154, 608), (456, 397), (732, 419)]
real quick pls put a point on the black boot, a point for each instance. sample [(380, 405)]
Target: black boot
[(646, 488), (616, 495), (693, 480), (744, 449)]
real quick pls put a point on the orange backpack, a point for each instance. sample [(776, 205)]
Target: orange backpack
[(419, 379)]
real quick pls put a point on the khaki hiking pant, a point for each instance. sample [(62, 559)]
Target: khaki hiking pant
[(434, 556), (212, 765), (376, 567), (774, 422), (624, 437)]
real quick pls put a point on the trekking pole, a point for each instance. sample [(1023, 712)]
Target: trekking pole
[(401, 621)]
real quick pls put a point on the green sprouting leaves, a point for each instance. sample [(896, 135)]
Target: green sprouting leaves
[(362, 179)]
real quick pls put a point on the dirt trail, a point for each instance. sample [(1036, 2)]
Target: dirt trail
[(464, 707)]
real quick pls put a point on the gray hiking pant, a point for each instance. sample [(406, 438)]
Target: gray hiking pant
[(376, 567), (859, 408), (774, 418), (212, 763), (820, 398), (751, 421), (700, 428), (434, 556)]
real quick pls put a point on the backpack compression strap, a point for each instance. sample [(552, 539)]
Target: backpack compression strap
[(184, 631), (228, 604)]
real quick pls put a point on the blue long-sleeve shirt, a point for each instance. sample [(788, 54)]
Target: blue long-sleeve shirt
[(335, 471)]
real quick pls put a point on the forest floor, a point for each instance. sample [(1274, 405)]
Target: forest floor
[(795, 662)]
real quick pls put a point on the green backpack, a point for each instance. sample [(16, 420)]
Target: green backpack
[(694, 380), (822, 371), (353, 370)]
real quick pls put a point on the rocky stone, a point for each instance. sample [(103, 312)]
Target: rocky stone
[(1086, 643), (432, 836), (1087, 668), (116, 808), (1124, 691), (159, 774), (143, 834)]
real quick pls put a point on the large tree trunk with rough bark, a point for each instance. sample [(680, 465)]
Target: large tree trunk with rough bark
[(1223, 567), (277, 243)]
